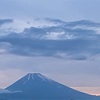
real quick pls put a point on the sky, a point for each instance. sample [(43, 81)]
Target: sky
[(57, 38)]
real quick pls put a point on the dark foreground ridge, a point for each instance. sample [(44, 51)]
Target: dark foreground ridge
[(35, 86)]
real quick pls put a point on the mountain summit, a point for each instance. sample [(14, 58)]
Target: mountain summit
[(32, 81), (38, 87)]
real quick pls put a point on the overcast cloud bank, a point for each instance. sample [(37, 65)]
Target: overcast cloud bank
[(78, 40)]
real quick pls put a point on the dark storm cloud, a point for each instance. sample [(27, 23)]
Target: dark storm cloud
[(33, 41)]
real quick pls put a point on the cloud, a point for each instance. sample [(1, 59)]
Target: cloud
[(57, 21), (68, 40), (5, 21)]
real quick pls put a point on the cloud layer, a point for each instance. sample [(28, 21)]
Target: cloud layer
[(5, 21), (78, 40)]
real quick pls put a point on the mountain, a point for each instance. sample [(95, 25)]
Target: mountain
[(38, 87)]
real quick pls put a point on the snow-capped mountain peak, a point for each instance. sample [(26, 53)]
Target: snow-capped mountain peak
[(36, 76), (31, 79), (37, 86)]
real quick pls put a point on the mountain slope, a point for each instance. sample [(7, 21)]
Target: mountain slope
[(37, 86)]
